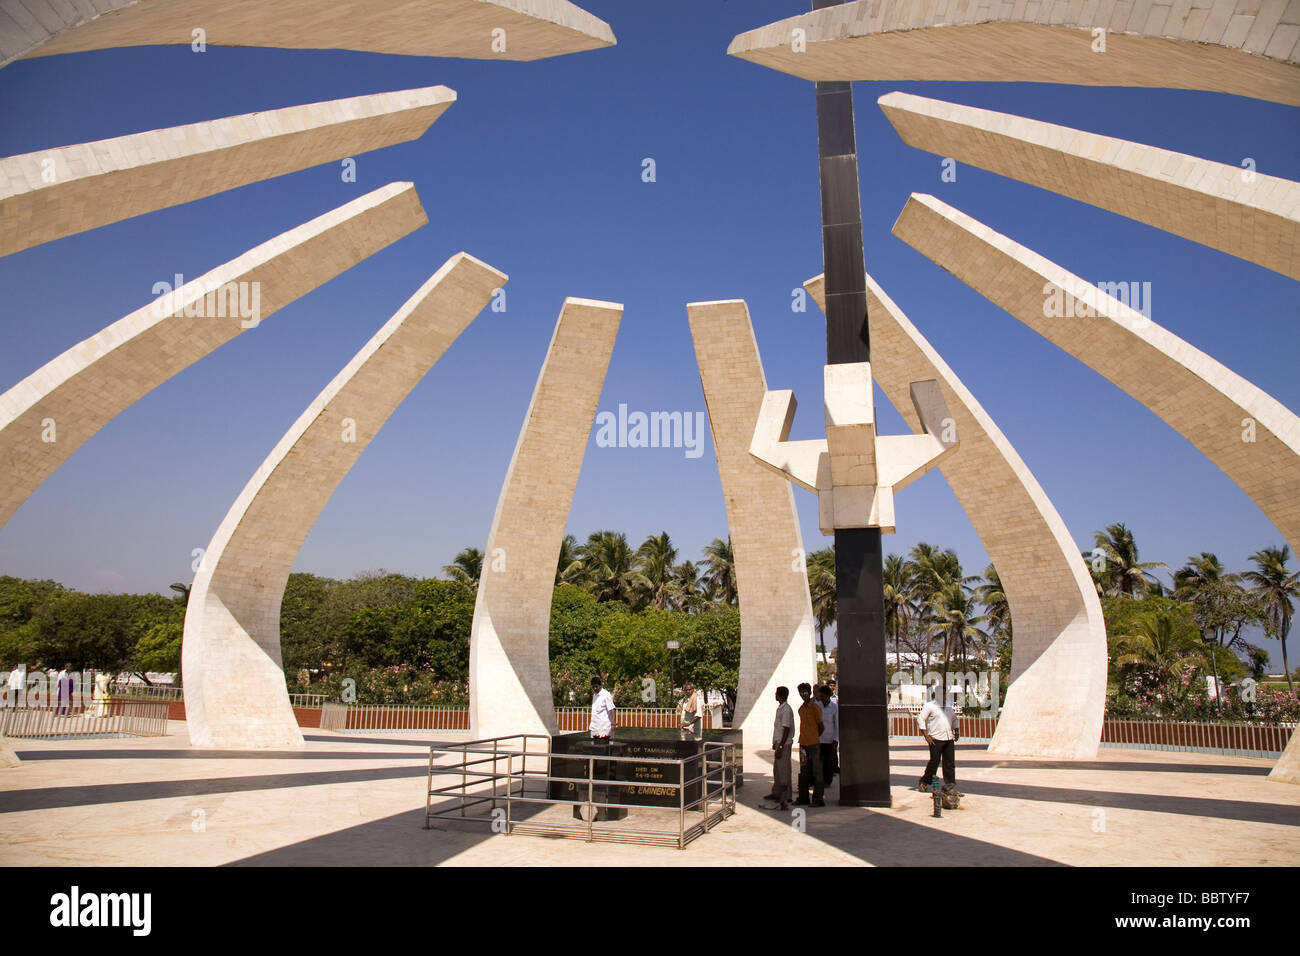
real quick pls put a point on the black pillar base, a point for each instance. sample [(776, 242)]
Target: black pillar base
[(860, 667)]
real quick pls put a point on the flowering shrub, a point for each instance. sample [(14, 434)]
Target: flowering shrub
[(1133, 701)]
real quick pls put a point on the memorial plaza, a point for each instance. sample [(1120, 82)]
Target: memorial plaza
[(351, 799)]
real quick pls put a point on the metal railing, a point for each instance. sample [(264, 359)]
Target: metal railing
[(497, 772), (1230, 739), (309, 701), (113, 717), (146, 691), (412, 718)]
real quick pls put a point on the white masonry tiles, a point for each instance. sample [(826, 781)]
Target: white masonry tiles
[(778, 644), (1245, 47), (509, 656), (472, 29), (55, 410), (1238, 211), (56, 192), (235, 691), (1056, 702), (1251, 436)]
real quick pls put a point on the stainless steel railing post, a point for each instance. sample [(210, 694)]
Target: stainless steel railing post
[(591, 810), (681, 804)]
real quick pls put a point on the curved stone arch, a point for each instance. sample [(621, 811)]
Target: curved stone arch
[(51, 413), (1243, 213), (1251, 436), (235, 691), (64, 190), (533, 29), (509, 656), (1056, 703), (777, 644), (1240, 47)]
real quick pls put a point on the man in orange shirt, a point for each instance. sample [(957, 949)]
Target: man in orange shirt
[(810, 752)]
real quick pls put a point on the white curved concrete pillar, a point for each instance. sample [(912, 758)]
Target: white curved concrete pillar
[(59, 407), (1250, 435), (1241, 212), (1228, 46), (1287, 769), (1056, 703), (509, 656), (68, 189), (235, 691), (778, 644), (474, 29)]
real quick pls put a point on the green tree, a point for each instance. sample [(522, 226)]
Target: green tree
[(1276, 587), (467, 567), (821, 591), (1161, 647), (632, 646), (654, 562), (720, 570), (1117, 552), (606, 567), (710, 653)]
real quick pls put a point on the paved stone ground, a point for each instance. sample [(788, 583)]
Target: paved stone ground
[(351, 799)]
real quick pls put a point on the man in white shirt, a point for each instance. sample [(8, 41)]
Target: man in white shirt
[(830, 738), (782, 748), (939, 725), (17, 685), (602, 712)]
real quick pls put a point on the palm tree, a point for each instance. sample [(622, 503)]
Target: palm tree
[(684, 591), (1276, 587), (933, 570), (567, 567), (898, 601), (654, 560), (994, 600), (606, 567), (1123, 573), (821, 590), (467, 568), (1205, 584), (1158, 645), (720, 570), (956, 621)]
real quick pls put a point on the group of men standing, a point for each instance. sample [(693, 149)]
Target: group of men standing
[(819, 740)]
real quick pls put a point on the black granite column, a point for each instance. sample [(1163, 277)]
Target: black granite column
[(859, 591)]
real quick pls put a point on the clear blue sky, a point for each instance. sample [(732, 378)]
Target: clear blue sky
[(537, 170)]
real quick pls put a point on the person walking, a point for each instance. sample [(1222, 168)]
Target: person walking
[(782, 744), (810, 752), (829, 742), (939, 725)]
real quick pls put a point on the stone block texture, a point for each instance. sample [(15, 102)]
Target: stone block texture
[(235, 692), (1244, 47), (1250, 435), (1240, 212), (534, 29), (778, 644), (57, 192), (55, 410), (1056, 702), (509, 657), (1287, 769)]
